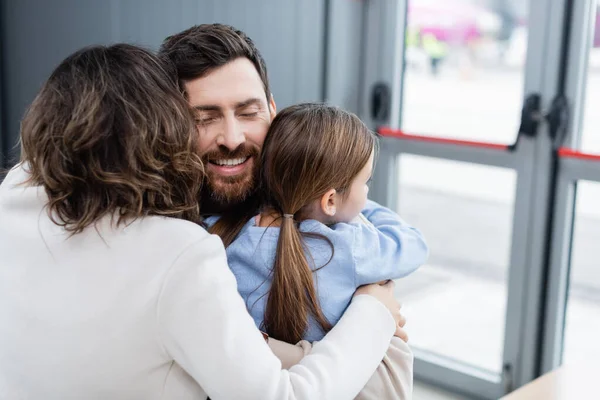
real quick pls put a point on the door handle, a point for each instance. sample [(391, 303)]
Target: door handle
[(381, 98), (531, 117)]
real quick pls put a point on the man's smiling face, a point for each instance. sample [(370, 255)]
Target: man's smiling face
[(233, 115)]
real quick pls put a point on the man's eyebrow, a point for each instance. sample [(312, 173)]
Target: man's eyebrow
[(241, 104), (249, 102), (207, 108)]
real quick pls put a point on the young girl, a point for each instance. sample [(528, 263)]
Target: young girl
[(317, 237)]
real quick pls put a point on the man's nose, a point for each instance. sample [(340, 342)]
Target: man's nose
[(232, 135)]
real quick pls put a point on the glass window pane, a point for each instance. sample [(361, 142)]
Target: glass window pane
[(582, 325), (590, 140), (456, 304), (464, 68)]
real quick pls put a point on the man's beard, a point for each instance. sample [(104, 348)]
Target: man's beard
[(219, 192)]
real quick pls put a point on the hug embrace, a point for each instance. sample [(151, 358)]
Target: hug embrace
[(163, 214)]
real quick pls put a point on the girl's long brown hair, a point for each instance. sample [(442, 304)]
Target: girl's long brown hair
[(309, 149), (110, 134)]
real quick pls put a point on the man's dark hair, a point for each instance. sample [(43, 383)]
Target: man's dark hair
[(200, 49)]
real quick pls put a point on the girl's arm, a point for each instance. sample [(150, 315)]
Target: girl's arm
[(203, 325), (386, 247)]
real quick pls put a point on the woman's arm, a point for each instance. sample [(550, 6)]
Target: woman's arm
[(204, 326), (290, 354), (393, 378)]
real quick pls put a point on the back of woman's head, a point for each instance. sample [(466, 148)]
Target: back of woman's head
[(309, 150), (110, 134)]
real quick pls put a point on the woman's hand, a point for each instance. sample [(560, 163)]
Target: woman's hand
[(384, 292)]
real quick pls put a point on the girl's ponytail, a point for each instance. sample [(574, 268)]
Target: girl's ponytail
[(293, 294)]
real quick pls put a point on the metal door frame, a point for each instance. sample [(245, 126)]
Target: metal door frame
[(531, 158), (573, 165)]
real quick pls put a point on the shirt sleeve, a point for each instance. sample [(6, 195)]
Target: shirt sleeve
[(394, 376), (386, 247), (204, 326)]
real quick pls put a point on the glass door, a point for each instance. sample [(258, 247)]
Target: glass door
[(459, 90), (572, 323)]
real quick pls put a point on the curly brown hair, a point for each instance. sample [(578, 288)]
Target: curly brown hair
[(111, 134)]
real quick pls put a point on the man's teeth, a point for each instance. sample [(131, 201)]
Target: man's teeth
[(231, 162)]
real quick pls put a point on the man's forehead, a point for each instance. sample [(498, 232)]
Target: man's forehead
[(226, 86)]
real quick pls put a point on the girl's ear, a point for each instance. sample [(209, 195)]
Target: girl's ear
[(329, 202)]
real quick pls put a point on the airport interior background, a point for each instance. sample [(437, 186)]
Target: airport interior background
[(490, 145)]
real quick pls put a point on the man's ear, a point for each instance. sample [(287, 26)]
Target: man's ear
[(272, 107), (329, 202)]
